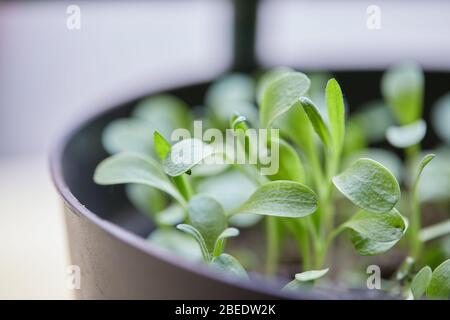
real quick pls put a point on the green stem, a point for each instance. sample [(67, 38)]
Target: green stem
[(183, 185), (272, 245), (415, 218), (327, 209)]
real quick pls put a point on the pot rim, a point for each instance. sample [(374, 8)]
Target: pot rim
[(56, 158)]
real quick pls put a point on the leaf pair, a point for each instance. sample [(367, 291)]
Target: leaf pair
[(208, 225), (332, 136), (436, 284), (373, 233), (372, 187)]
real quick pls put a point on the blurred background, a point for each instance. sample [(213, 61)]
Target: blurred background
[(54, 72)]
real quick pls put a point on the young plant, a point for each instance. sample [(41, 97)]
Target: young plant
[(298, 200)]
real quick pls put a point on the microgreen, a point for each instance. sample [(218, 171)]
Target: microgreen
[(196, 206), (435, 284), (369, 185), (305, 279)]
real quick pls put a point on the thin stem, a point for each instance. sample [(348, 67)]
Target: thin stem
[(435, 231), (183, 185), (299, 230), (272, 245), (415, 224)]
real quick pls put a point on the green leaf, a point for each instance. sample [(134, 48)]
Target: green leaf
[(281, 198), (402, 87), (208, 217), (435, 180), (407, 135), (439, 287), (311, 275), (164, 113), (127, 167), (374, 118), (267, 78), (171, 216), (426, 160), (420, 282), (184, 155), (336, 113), (198, 237), (295, 125), (441, 118), (232, 87), (177, 243), (304, 280), (280, 95), (317, 121), (385, 157), (369, 185), (128, 135), (233, 93), (290, 166), (227, 233), (238, 122), (222, 187), (162, 146), (375, 233), (146, 199), (228, 265)]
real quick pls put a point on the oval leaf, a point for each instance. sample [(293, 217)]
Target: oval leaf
[(267, 78), (198, 237), (311, 275), (164, 113), (146, 199), (375, 233), (177, 243), (402, 87), (336, 113), (420, 282), (171, 216), (304, 280), (280, 95), (439, 287), (134, 168), (281, 198), (369, 185), (128, 135), (289, 164), (408, 135), (208, 217), (317, 121), (441, 118), (229, 265), (184, 155)]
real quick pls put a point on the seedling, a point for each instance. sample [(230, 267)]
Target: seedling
[(204, 205)]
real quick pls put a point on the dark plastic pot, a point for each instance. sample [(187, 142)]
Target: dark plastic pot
[(106, 236)]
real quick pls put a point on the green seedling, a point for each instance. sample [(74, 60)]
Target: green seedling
[(317, 193)]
